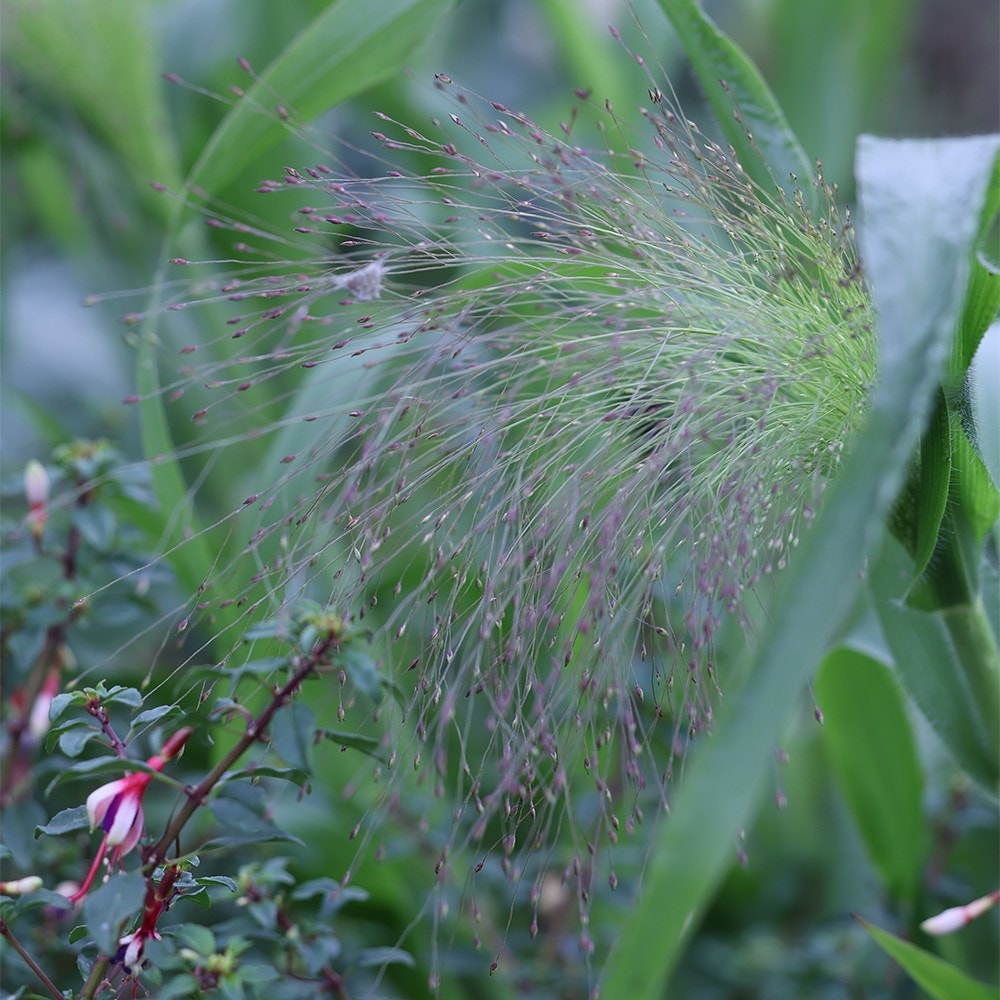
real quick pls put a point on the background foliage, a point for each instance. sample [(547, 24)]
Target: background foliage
[(879, 813)]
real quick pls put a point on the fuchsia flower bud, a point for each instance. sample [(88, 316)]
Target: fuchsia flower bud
[(21, 886), (36, 490), (956, 917), (38, 719)]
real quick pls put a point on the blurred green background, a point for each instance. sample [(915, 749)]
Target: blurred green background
[(87, 122)]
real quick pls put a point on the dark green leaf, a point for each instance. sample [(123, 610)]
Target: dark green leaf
[(65, 821), (218, 880), (96, 524), (107, 908), (368, 745), (231, 987), (253, 772), (153, 715), (180, 987), (363, 672), (975, 497), (262, 835), (201, 939), (43, 897), (292, 732), (917, 515), (124, 696), (982, 300), (20, 821), (61, 702), (73, 741)]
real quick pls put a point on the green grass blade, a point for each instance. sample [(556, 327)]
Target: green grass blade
[(773, 155), (939, 979), (934, 189), (349, 47)]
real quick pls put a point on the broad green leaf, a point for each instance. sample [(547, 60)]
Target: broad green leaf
[(939, 979), (920, 206), (773, 154), (982, 300), (917, 515), (870, 746), (928, 666), (975, 498), (107, 908)]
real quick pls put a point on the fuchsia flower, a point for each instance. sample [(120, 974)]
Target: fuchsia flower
[(130, 949), (117, 808)]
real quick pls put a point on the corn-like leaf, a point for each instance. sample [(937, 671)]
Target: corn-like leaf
[(921, 203)]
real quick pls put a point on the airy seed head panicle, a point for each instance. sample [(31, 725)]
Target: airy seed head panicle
[(544, 418)]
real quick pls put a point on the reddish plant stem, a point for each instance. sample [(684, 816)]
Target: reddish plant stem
[(198, 795), (99, 712), (28, 960)]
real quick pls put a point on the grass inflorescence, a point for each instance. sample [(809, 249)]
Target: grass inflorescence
[(545, 419)]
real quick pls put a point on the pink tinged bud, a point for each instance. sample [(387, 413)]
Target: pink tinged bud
[(38, 721), (171, 748), (36, 490), (21, 886), (951, 920)]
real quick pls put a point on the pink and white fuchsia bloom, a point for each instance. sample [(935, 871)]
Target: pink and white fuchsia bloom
[(117, 808)]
